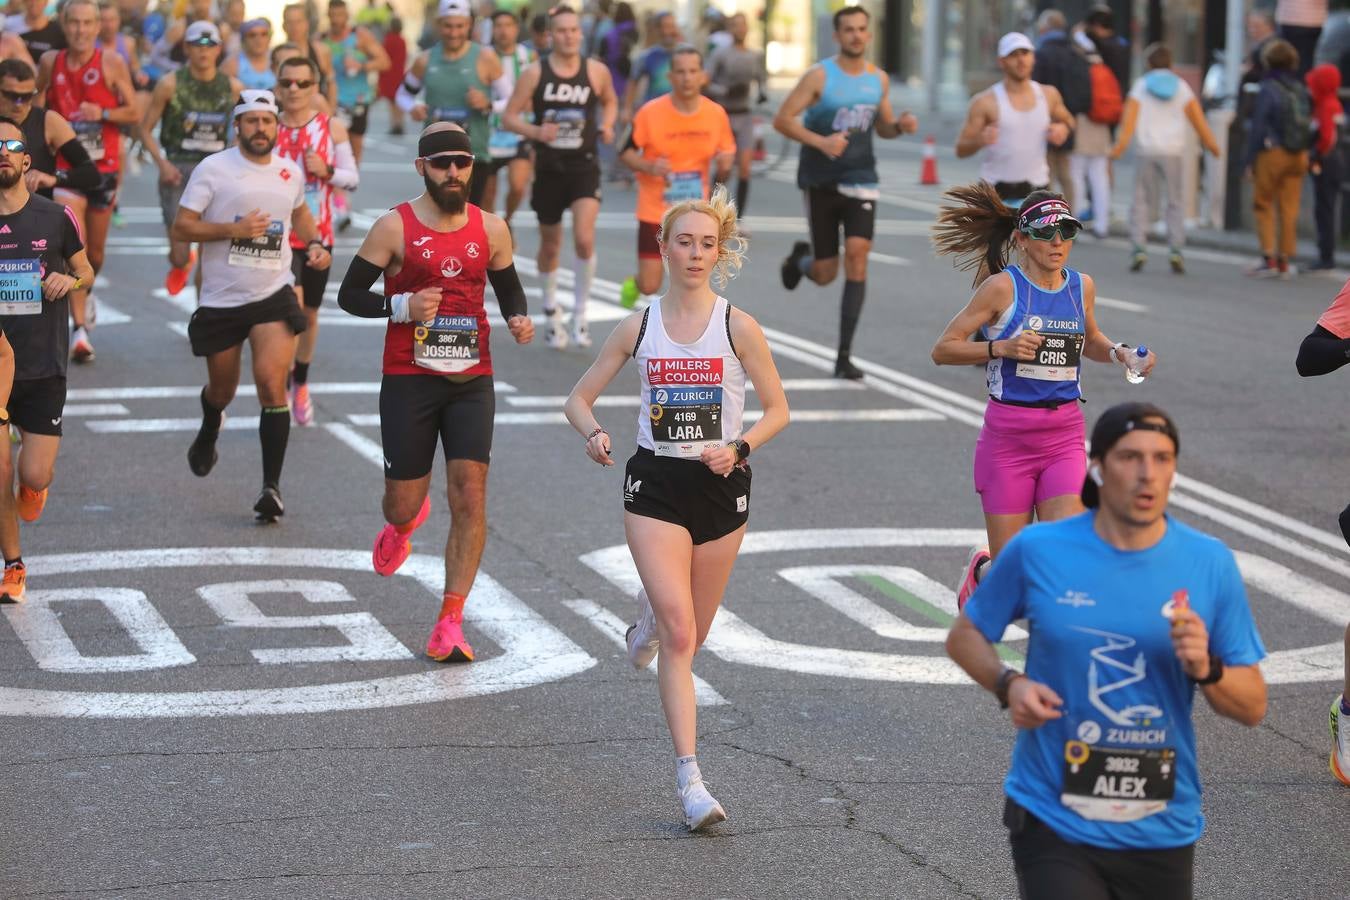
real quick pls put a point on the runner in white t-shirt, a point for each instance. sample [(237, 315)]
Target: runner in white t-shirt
[(241, 204)]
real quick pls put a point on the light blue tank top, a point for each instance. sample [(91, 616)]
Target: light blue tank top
[(1052, 377), (351, 89), (252, 79), (847, 103)]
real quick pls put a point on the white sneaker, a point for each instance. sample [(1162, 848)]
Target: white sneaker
[(641, 638), (700, 808), (581, 335), (555, 335), (80, 349), (1340, 739)]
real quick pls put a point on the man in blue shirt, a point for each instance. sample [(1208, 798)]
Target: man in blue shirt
[(1128, 611)]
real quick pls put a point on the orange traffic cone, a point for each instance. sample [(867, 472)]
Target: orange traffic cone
[(928, 175)]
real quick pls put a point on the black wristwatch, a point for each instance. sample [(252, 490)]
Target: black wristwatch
[(1215, 671), (742, 450), (1005, 680), (315, 241)]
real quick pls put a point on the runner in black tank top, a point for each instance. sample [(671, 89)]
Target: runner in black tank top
[(565, 132), (45, 134)]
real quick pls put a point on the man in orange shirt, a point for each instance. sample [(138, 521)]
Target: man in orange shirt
[(676, 137)]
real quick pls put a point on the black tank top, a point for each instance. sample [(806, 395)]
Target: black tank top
[(35, 139), (571, 103)]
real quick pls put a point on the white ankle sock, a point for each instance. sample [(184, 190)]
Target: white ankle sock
[(584, 272), (686, 770)]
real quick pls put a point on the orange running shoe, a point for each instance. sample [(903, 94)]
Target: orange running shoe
[(16, 579), (447, 643), (31, 503), (177, 279)]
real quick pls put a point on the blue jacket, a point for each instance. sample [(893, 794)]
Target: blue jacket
[(1263, 132)]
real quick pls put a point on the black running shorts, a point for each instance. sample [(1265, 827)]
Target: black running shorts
[(356, 117), (36, 405), (827, 210), (215, 329), (417, 409), (685, 492), (553, 193), (312, 282)]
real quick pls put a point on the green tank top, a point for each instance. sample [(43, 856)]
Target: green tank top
[(447, 85), (196, 121)]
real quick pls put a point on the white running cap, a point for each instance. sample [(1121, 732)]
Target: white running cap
[(1013, 41), (201, 32), (454, 8), (256, 101)]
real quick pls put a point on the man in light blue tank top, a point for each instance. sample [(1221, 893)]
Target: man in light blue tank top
[(356, 54), (843, 99)]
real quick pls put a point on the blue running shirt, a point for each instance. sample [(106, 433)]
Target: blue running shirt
[(1057, 316), (1118, 769)]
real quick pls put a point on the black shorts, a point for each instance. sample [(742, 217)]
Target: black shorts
[(1050, 868), (685, 492), (553, 193), (36, 405), (501, 162), (827, 209), (356, 117), (648, 245), (313, 282), (416, 409), (212, 330), (102, 197)]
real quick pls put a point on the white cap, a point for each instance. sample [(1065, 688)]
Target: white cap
[(200, 29), (1013, 41), (256, 101), (454, 8)]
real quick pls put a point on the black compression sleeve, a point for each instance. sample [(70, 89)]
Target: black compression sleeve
[(1322, 352), (355, 295), (83, 174), (510, 295)]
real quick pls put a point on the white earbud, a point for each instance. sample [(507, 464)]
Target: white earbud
[(1095, 473), (1173, 482)]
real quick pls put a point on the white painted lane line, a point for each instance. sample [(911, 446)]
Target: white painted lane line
[(614, 628), (791, 385), (164, 393), (1125, 305), (807, 416), (150, 426), (369, 450), (107, 314), (1325, 538), (888, 258), (95, 409)]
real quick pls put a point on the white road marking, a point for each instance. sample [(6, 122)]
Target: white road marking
[(107, 314), (888, 258), (94, 409), (806, 416), (156, 426), (369, 450), (614, 628), (790, 385), (164, 393), (1125, 305)]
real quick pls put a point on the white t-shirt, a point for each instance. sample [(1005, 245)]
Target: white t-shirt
[(226, 187), (1161, 129)]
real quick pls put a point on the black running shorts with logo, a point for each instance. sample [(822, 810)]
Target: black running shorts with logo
[(501, 162), (215, 329), (356, 117), (827, 210), (36, 405), (313, 282), (685, 492), (553, 193), (415, 410)]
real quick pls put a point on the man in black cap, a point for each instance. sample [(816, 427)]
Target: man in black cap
[(1131, 610)]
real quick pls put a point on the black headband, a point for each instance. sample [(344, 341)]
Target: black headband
[(446, 140)]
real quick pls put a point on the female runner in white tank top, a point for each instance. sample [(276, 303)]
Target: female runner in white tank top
[(687, 488)]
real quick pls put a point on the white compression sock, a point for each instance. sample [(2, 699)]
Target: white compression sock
[(686, 770), (584, 272), (550, 292)]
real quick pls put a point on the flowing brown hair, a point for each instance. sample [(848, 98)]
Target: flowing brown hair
[(977, 228)]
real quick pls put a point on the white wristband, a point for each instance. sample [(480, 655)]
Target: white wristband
[(398, 307)]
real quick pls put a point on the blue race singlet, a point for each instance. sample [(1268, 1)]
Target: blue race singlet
[(847, 103), (1052, 377)]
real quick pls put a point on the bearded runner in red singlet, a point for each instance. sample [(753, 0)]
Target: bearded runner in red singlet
[(437, 254), (93, 91)]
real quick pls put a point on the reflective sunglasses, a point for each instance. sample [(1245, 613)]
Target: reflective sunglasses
[(297, 83), (445, 160), (13, 146), (1067, 229), (19, 96)]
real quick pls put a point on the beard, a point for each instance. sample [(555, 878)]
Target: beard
[(260, 144), (450, 195), (9, 178)]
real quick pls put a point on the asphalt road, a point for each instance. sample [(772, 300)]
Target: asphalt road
[(194, 705)]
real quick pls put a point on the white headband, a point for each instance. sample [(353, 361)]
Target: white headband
[(256, 101)]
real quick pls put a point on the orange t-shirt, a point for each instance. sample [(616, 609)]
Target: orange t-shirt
[(1337, 317), (687, 142)]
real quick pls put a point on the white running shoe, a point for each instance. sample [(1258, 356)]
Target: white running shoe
[(581, 335), (641, 638), (701, 809), (555, 334), (1340, 740)]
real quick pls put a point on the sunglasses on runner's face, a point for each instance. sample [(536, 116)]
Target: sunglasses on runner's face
[(13, 146), (445, 160), (1067, 230), (297, 83), (19, 96)]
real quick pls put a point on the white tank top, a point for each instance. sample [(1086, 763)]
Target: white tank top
[(1019, 152), (693, 395)]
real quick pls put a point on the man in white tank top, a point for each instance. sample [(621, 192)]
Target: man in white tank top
[(1013, 122)]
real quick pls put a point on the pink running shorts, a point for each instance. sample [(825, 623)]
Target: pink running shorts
[(1027, 455)]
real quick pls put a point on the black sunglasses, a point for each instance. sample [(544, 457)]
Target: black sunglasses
[(445, 160), (301, 84), (14, 146), (19, 96)]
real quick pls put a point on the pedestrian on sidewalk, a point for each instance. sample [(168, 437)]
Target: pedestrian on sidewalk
[(1277, 157), (1062, 66), (1300, 23), (1089, 166), (1158, 108), (1324, 84)]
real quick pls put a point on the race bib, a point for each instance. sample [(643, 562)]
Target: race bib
[(503, 144), (448, 345), (681, 186), (314, 198), (20, 287), (860, 191), (571, 128), (686, 406), (205, 132), (1117, 784), (260, 253), (90, 135), (1057, 359), (457, 114)]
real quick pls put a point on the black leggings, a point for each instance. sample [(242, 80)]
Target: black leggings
[(1322, 352)]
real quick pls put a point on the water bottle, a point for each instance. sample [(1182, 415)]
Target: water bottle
[(1134, 364)]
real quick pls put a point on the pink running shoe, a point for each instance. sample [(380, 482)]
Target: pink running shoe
[(978, 557), (447, 643), (302, 408), (392, 548)]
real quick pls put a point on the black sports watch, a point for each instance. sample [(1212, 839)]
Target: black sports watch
[(1215, 671), (1005, 680), (742, 450)]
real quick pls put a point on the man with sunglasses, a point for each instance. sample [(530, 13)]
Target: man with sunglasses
[(252, 65), (241, 205), (46, 134), (318, 144), (192, 109), (42, 263), (93, 91), (437, 253)]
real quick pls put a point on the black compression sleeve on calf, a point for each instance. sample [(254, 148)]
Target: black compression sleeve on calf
[(510, 294), (274, 429), (1322, 352), (850, 310), (83, 174), (355, 295)]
